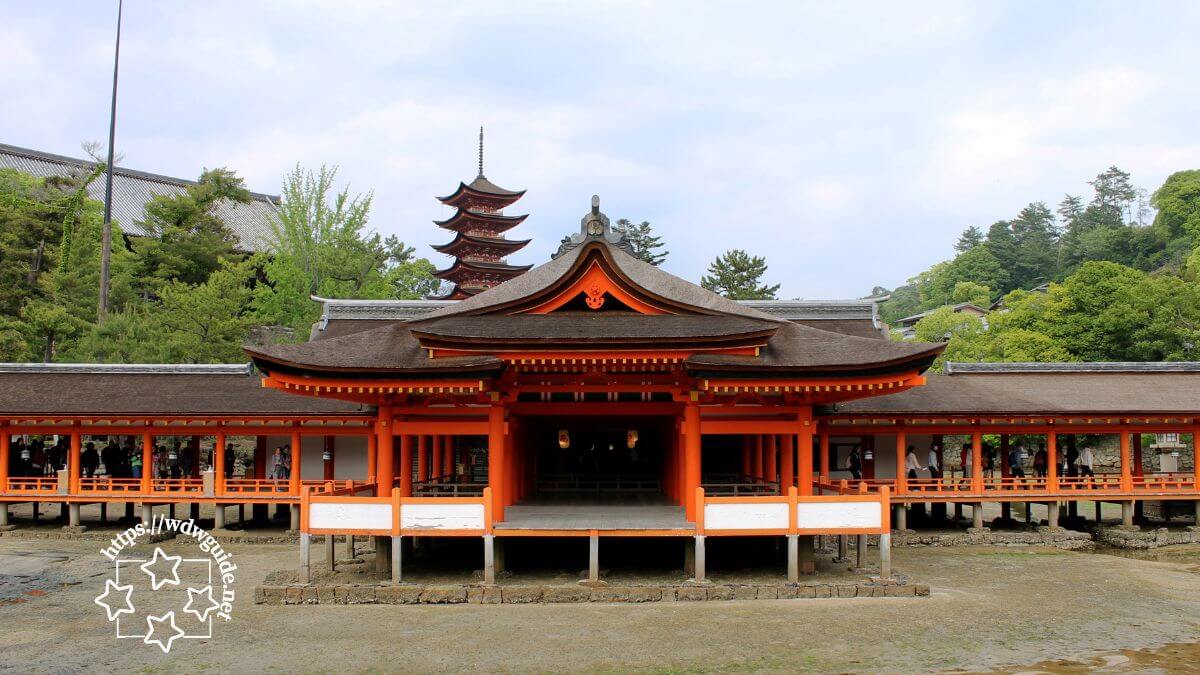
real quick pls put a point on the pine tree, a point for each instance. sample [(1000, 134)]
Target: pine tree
[(642, 241), (738, 275), (969, 239)]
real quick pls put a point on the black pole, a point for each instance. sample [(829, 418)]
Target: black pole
[(106, 235)]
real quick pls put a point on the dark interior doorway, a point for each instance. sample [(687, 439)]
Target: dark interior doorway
[(604, 457)]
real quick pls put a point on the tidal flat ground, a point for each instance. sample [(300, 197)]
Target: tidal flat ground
[(990, 610)]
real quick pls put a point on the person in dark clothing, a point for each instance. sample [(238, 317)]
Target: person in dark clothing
[(1072, 463), (854, 463), (1041, 462), (89, 460), (1015, 458), (110, 456)]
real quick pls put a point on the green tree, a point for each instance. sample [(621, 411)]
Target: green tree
[(1178, 204), (1036, 242), (738, 275), (642, 241), (969, 291), (47, 326), (969, 239), (188, 240), (321, 246), (206, 323), (944, 324)]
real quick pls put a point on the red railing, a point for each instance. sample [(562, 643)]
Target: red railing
[(38, 485), (1166, 481), (257, 486), (118, 485), (178, 485)]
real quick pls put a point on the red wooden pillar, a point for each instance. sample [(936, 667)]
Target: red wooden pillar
[(73, 467), (1126, 462), (384, 447), (681, 465), (294, 476), (787, 463), (1196, 457), (770, 463), (448, 455), (219, 464), (692, 471), (423, 459), (328, 464), (148, 463), (406, 465), (804, 454), (901, 461), (435, 452), (496, 460)]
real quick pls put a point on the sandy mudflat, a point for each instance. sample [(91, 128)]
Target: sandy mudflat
[(990, 608)]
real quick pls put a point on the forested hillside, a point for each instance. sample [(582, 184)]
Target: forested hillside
[(188, 294), (1115, 279)]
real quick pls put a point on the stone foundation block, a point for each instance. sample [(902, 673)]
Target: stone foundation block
[(790, 592), (921, 590), (293, 595), (691, 593), (847, 591), (823, 591), (520, 595), (268, 595), (484, 595), (310, 596), (745, 593), (443, 595), (398, 595), (767, 593), (898, 591), (633, 594), (566, 594), (722, 593)]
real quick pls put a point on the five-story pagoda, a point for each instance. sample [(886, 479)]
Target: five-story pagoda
[(479, 247)]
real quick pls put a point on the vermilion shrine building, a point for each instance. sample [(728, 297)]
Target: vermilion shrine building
[(595, 396)]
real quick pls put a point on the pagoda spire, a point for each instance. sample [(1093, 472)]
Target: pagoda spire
[(479, 247), (480, 152)]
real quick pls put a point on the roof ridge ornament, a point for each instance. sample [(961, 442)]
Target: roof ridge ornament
[(593, 226)]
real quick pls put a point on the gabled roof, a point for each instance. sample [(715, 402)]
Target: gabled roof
[(957, 308), (683, 315), (250, 223), (479, 266)]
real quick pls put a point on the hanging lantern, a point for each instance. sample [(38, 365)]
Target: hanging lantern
[(1175, 453), (631, 438), (25, 454), (868, 454), (326, 455), (564, 439)]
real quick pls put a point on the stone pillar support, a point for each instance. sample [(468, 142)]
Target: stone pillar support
[(793, 558), (1127, 513), (977, 515), (219, 517), (1052, 514), (397, 553), (489, 559), (305, 569), (885, 556), (330, 556), (294, 517), (901, 517), (699, 576), (594, 558), (860, 551)]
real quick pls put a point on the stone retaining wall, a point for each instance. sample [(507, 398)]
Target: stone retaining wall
[(358, 594), (1053, 537), (1136, 538)]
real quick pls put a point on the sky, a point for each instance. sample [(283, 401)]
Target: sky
[(847, 143)]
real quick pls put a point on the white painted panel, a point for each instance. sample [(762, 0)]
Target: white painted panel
[(838, 515), (442, 516), (333, 516), (745, 516)]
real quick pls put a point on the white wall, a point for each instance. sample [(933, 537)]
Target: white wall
[(350, 456)]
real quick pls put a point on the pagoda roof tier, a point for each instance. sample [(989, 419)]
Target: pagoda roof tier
[(482, 189), (482, 266), (500, 245), (464, 218)]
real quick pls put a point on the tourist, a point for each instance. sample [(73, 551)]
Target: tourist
[(160, 462), (1071, 462), (278, 464), (965, 459), (854, 464), (911, 463), (89, 460), (935, 469), (135, 465), (173, 460), (1015, 458), (1086, 461), (38, 460), (110, 458), (1041, 462), (19, 457), (230, 459)]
